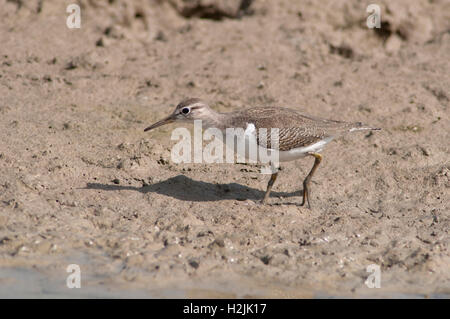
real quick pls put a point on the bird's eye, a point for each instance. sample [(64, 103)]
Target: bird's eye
[(185, 110)]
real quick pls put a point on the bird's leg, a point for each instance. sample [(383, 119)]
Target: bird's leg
[(318, 159), (272, 180)]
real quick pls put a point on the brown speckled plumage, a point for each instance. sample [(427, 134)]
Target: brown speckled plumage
[(295, 129)]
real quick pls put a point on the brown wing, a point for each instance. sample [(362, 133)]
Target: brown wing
[(289, 138), (294, 129)]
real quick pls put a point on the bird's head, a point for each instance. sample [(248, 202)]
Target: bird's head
[(187, 110)]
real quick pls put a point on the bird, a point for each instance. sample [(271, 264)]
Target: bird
[(298, 135)]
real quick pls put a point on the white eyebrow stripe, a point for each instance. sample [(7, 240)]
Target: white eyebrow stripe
[(195, 105)]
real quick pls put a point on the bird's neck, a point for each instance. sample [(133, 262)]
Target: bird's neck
[(216, 120)]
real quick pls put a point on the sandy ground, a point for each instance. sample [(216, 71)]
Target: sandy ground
[(81, 183)]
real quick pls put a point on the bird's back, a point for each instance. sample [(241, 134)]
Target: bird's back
[(294, 129)]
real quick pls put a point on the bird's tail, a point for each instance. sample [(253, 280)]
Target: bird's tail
[(358, 126)]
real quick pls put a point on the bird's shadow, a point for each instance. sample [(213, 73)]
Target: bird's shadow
[(187, 189)]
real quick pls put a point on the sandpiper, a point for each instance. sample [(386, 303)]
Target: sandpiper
[(299, 135)]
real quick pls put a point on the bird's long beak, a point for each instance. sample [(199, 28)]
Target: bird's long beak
[(167, 120)]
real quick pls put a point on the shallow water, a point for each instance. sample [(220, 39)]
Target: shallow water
[(31, 284), (28, 283)]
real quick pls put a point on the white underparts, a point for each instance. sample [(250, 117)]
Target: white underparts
[(255, 153), (299, 152)]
